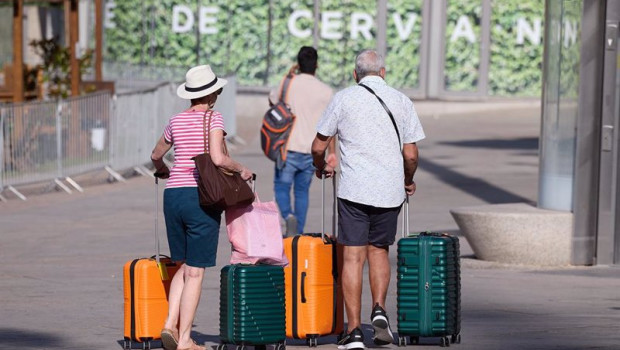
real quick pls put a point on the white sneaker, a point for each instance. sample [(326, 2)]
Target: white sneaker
[(291, 225)]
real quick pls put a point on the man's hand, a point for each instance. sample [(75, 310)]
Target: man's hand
[(328, 171), (332, 160), (410, 189)]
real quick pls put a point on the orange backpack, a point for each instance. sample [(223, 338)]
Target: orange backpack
[(277, 125)]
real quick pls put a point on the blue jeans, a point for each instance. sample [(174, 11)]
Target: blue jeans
[(298, 171)]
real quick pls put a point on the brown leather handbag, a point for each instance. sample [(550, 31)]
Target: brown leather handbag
[(218, 188)]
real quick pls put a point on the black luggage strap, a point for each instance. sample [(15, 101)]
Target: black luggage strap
[(386, 109)]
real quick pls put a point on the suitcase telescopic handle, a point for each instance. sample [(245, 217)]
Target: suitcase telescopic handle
[(406, 217), (157, 220), (334, 212)]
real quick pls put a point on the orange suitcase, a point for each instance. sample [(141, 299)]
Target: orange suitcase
[(146, 299), (314, 305), (145, 289)]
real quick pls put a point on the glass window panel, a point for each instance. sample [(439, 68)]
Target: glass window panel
[(240, 45), (560, 105), (347, 27), (6, 39), (292, 28), (462, 48), (404, 42), (126, 17), (516, 47)]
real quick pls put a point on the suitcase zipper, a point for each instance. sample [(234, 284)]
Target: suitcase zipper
[(133, 299), (425, 309), (295, 264)]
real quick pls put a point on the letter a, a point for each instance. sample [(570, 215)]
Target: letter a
[(463, 29)]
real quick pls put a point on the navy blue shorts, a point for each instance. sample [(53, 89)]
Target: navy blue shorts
[(193, 231), (360, 224)]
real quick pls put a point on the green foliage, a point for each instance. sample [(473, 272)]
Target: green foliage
[(462, 58), (570, 51), (57, 65), (402, 59), (337, 67), (253, 41), (284, 46), (515, 69)]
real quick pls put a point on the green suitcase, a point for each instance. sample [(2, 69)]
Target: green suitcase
[(252, 308), (429, 288)]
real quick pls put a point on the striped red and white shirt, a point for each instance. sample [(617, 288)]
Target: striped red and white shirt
[(185, 132)]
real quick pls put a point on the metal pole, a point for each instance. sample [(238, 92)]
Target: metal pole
[(197, 32), (435, 47), (1, 150), (59, 154), (315, 28), (382, 27)]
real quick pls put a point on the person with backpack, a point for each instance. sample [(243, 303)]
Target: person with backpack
[(307, 97), (378, 128)]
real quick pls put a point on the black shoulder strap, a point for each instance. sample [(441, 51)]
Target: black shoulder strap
[(386, 109), (285, 85)]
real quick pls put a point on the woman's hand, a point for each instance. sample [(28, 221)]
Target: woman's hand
[(246, 174), (163, 172)]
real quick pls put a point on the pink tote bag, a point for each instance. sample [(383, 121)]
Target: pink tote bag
[(255, 234)]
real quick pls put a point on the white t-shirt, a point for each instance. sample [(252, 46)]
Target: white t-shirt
[(371, 161), (307, 97)]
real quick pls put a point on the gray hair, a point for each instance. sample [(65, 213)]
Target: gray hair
[(368, 62)]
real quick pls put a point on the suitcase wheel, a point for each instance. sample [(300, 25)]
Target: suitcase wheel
[(221, 347), (280, 346), (126, 344), (312, 342), (456, 339), (402, 341), (444, 341)]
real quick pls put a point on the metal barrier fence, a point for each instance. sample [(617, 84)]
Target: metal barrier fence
[(138, 122), (55, 140)]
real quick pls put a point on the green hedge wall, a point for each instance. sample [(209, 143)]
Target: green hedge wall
[(253, 42), (462, 58), (402, 59), (515, 68)]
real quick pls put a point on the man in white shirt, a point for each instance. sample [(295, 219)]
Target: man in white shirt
[(378, 158), (307, 97)]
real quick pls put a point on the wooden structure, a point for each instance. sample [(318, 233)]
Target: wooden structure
[(72, 32)]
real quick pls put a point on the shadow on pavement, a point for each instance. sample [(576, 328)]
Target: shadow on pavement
[(523, 143), (473, 186), (18, 338)]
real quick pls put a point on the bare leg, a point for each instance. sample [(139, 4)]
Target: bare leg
[(352, 270), (174, 299), (378, 273), (189, 302)]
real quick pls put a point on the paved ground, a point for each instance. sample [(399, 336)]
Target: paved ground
[(61, 282)]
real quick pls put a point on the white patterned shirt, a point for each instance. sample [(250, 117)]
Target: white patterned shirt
[(371, 161)]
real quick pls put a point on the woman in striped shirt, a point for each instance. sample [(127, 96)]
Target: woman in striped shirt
[(192, 230)]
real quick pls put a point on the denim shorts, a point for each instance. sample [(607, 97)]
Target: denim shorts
[(360, 224), (193, 231)]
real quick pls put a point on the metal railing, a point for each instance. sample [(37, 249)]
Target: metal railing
[(56, 140)]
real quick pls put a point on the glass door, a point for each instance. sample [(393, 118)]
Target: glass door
[(608, 235)]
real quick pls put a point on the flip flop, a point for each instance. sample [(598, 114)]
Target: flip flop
[(169, 339)]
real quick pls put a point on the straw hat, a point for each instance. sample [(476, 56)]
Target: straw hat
[(200, 81)]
